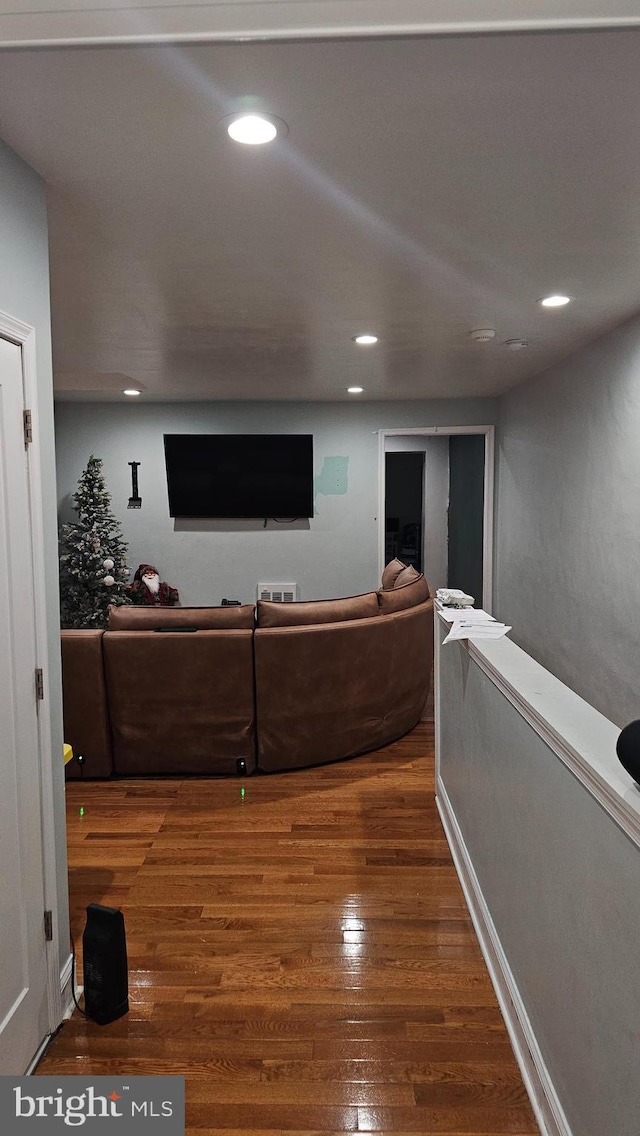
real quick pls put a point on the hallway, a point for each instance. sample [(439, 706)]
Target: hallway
[(299, 948)]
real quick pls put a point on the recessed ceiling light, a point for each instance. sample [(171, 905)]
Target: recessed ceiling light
[(254, 129), (555, 301), (355, 390), (132, 393), (365, 338)]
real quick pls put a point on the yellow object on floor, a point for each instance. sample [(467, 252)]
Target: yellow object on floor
[(67, 753)]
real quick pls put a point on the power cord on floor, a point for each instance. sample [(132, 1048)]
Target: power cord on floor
[(73, 979)]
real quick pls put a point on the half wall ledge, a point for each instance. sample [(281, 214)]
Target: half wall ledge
[(577, 733), (544, 828)]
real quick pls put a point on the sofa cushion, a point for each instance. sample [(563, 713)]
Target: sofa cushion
[(128, 618), (407, 595), (391, 573), (317, 611)]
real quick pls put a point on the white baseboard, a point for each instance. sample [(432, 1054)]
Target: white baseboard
[(542, 1094), (41, 1050), (66, 989)]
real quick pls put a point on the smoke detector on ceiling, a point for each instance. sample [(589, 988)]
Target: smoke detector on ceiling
[(482, 334), (516, 344)]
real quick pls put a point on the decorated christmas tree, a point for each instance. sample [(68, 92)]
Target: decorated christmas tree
[(93, 555)]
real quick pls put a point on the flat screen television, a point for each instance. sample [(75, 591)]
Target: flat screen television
[(239, 475)]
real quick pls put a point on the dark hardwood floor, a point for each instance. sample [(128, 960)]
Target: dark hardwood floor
[(299, 948)]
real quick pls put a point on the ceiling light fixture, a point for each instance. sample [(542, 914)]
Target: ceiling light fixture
[(254, 129), (132, 393), (355, 390), (555, 301), (365, 338), (482, 334)]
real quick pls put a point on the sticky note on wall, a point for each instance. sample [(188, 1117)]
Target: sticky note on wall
[(334, 477)]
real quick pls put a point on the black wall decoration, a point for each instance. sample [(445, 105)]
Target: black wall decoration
[(135, 501)]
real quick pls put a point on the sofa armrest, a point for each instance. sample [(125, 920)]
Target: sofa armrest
[(86, 717)]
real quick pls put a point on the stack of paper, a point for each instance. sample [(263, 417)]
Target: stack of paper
[(451, 614), (472, 624)]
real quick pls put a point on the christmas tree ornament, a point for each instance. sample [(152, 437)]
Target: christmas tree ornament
[(108, 564), (109, 581)]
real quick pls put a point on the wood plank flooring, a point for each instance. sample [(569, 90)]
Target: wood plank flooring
[(301, 952)]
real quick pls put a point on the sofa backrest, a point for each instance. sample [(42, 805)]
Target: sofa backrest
[(317, 611), (128, 618)]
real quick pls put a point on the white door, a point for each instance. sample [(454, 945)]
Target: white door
[(24, 1020)]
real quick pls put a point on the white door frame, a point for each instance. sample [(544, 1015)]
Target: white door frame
[(25, 337), (487, 526)]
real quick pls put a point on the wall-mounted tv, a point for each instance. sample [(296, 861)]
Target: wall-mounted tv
[(239, 475)]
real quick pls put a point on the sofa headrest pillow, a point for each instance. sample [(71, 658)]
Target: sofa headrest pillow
[(317, 611), (391, 573), (407, 595), (129, 618), (407, 576)]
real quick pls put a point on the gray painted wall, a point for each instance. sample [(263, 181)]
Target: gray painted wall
[(333, 554), (24, 294), (568, 521), (560, 880)]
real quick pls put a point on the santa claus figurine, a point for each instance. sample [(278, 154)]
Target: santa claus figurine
[(146, 589)]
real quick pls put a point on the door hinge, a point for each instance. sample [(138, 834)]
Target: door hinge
[(39, 684), (48, 926), (28, 427)]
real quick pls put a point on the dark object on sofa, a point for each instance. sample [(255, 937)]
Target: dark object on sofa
[(324, 680), (628, 749)]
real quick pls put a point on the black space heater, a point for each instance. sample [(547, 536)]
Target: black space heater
[(104, 951)]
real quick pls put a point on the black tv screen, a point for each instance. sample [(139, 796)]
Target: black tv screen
[(239, 475)]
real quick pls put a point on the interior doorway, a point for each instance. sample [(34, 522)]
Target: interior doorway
[(404, 507), (436, 505)]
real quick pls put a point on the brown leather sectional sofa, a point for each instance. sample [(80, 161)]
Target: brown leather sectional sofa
[(231, 690)]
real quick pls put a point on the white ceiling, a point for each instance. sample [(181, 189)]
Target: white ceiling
[(27, 23), (426, 187)]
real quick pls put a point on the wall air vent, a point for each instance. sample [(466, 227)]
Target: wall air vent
[(278, 593)]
